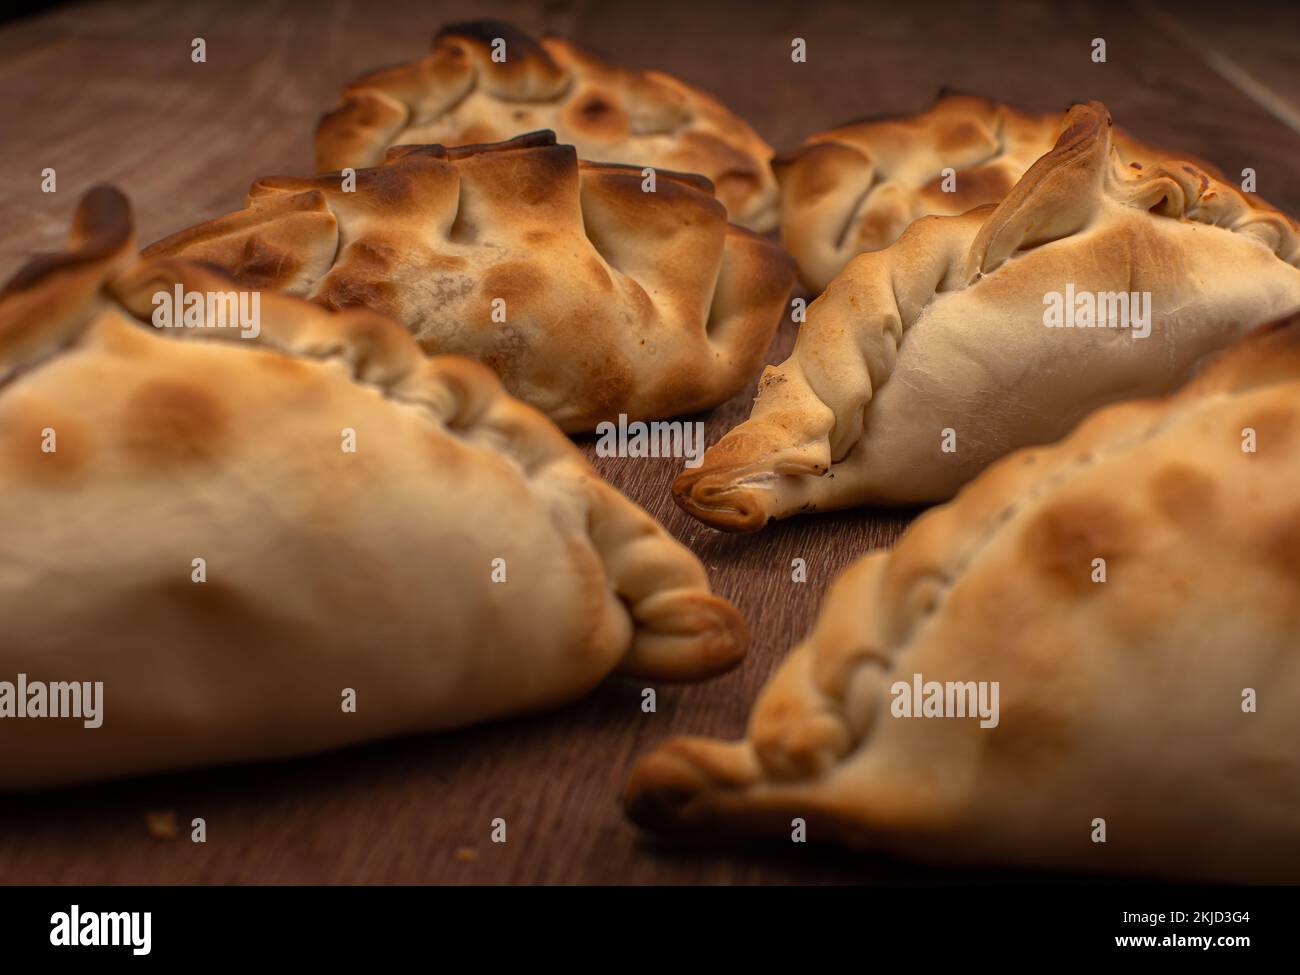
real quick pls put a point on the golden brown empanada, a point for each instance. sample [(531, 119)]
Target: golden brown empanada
[(369, 519), (588, 296), (460, 94), (1134, 592), (856, 188), (967, 338)]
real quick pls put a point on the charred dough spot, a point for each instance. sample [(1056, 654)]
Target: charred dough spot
[(261, 265), (594, 107), (1184, 494), (517, 282), (386, 187), (1062, 541), (596, 114), (544, 177), (169, 422), (1030, 741), (1281, 546), (1274, 430), (23, 439)]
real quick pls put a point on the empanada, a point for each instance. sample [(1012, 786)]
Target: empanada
[(856, 188), (926, 361), (368, 520), (1134, 592), (486, 81), (589, 296)]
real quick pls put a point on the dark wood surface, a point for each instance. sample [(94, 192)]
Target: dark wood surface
[(107, 92)]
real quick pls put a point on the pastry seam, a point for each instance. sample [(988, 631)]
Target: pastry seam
[(958, 568)]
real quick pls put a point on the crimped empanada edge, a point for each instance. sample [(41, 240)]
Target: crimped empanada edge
[(680, 631), (701, 788)]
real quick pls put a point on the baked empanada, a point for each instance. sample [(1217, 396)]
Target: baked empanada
[(1118, 615), (856, 188), (926, 361), (589, 296), (234, 529), (486, 81)]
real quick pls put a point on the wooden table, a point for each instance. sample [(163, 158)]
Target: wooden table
[(107, 92)]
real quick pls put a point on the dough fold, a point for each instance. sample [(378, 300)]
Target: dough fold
[(367, 519), (485, 81), (587, 295), (923, 363), (1131, 591), (856, 188)]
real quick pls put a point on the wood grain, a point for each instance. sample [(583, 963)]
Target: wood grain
[(107, 92)]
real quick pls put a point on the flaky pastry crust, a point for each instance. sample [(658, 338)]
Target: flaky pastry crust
[(857, 187), (458, 95), (326, 568), (589, 296), (925, 362), (1125, 700)]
